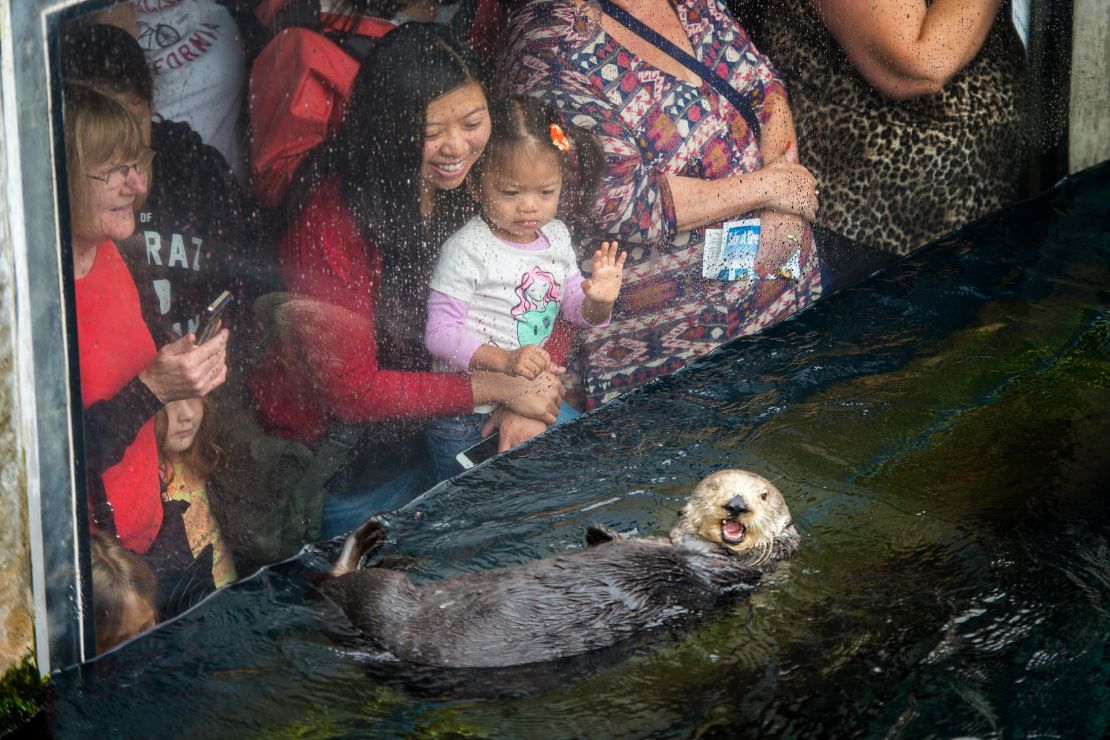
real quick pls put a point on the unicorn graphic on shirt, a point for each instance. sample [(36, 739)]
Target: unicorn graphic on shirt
[(538, 295)]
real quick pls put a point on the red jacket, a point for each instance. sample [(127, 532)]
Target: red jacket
[(114, 346), (325, 364)]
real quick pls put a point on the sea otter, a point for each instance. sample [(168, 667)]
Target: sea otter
[(734, 527)]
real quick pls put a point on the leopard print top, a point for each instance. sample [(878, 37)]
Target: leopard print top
[(892, 174)]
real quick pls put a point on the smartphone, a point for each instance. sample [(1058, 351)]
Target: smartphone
[(484, 450), (210, 322)]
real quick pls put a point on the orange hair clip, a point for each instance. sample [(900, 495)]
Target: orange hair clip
[(559, 138)]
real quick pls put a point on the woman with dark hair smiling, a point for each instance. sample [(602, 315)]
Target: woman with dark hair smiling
[(369, 209), (302, 78)]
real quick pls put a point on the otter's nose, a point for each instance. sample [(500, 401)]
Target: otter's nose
[(736, 506)]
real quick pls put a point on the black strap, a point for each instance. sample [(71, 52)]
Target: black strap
[(296, 14), (734, 96), (100, 508)]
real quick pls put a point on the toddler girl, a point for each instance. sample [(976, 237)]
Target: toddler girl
[(187, 454), (502, 279)]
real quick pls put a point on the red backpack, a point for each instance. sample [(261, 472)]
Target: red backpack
[(301, 80)]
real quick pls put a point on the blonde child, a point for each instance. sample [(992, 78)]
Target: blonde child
[(123, 592), (503, 278)]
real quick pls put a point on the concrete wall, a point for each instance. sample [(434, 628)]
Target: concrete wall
[(1089, 128), (16, 627)]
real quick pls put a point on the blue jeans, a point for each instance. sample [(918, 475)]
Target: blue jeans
[(370, 483), (449, 435)]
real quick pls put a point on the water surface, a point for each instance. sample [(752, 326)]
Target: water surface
[(940, 433)]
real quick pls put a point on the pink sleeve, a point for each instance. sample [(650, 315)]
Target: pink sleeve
[(446, 336), (572, 303)]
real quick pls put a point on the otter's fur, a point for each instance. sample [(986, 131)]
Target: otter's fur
[(734, 527)]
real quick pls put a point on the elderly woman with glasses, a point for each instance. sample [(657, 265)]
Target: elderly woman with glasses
[(124, 378)]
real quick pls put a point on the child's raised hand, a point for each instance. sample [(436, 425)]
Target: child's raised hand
[(529, 361), (604, 285)]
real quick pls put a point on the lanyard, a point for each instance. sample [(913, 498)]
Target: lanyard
[(734, 96)]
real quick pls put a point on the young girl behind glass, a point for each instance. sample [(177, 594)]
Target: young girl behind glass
[(503, 278), (187, 454)]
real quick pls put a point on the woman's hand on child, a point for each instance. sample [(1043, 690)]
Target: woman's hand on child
[(604, 285), (514, 429), (529, 361), (538, 399)]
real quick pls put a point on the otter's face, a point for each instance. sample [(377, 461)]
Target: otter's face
[(742, 511)]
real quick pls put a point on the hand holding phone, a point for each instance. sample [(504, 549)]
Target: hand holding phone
[(210, 322), (475, 454)]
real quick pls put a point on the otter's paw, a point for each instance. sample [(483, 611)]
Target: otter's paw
[(599, 535), (359, 543)]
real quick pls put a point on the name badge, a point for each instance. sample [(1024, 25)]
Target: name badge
[(729, 254)]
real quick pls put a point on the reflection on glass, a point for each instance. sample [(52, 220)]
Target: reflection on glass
[(139, 298), (317, 403), (115, 348)]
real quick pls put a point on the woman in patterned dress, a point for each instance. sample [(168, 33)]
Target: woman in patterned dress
[(679, 158)]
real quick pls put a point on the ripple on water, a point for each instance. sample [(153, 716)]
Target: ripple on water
[(939, 435)]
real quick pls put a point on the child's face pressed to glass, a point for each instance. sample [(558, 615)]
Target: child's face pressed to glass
[(136, 617), (520, 191), (183, 420)]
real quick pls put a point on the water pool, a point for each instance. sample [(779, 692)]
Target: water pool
[(940, 432)]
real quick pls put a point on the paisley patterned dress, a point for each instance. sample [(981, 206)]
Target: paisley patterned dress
[(653, 125)]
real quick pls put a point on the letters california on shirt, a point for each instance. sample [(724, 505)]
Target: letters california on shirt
[(193, 236), (196, 55)]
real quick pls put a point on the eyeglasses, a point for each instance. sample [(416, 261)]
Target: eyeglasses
[(118, 175)]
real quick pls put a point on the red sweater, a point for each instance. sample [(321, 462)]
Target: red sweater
[(113, 346), (324, 365)]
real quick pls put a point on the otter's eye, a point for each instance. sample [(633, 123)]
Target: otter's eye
[(763, 496)]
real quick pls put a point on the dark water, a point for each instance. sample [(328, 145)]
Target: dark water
[(940, 433)]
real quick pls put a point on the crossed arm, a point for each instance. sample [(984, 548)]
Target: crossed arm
[(904, 48)]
